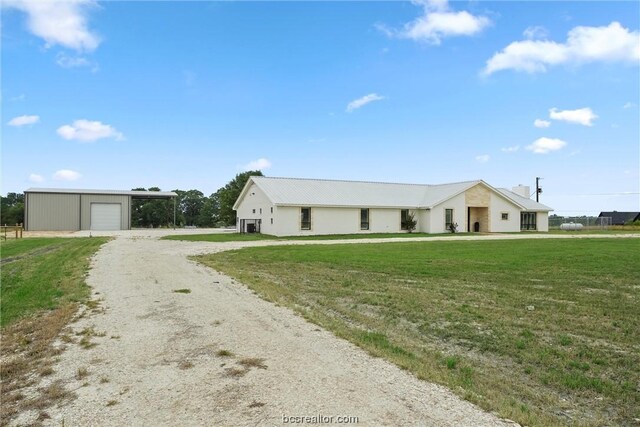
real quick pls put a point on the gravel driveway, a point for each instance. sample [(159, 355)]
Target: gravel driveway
[(161, 356)]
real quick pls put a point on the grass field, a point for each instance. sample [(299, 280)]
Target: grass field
[(236, 237), (43, 273), (42, 284), (544, 332)]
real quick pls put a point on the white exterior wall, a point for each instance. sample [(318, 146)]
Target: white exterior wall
[(332, 220), (256, 199), (542, 221), (498, 206), (457, 203), (423, 216)]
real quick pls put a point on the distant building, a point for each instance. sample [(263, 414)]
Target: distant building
[(58, 209), (620, 218), (298, 207)]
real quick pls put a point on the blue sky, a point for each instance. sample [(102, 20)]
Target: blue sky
[(184, 95)]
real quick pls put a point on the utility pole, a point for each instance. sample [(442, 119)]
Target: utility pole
[(538, 189)]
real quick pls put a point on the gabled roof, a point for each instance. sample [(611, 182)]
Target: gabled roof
[(525, 202), (335, 193), (137, 194), (620, 217)]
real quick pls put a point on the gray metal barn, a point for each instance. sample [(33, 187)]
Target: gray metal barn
[(56, 209)]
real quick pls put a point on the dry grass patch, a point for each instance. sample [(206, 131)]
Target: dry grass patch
[(185, 364), (224, 353), (253, 362), (236, 372), (82, 373)]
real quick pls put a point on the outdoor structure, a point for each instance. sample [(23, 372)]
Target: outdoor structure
[(620, 218), (295, 207), (56, 209)]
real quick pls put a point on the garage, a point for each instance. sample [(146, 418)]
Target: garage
[(60, 209), (105, 216)]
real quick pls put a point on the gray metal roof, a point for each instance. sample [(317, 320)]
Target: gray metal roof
[(323, 192), (140, 194), (528, 204)]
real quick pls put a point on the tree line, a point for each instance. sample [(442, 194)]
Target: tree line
[(192, 207)]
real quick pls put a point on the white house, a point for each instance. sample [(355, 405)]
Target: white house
[(297, 207)]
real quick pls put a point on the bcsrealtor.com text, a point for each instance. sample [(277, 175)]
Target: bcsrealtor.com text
[(319, 419)]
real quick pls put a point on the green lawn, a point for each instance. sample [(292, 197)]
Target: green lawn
[(236, 237), (545, 332), (43, 273)]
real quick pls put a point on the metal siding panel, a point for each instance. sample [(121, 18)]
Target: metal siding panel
[(53, 212)]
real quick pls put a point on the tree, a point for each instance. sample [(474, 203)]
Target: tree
[(151, 212), (189, 204), (226, 196), (209, 212), (12, 209)]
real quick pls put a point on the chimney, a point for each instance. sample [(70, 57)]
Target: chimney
[(522, 190)]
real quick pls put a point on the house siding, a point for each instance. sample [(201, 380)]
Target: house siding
[(500, 205), (336, 220), (256, 199)]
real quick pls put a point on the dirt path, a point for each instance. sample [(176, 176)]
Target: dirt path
[(159, 356)]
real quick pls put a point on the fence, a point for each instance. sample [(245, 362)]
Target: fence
[(587, 222), (17, 229)]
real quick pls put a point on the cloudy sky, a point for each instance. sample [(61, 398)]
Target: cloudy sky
[(116, 95)]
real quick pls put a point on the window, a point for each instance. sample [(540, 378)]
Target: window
[(364, 219), (448, 218), (305, 218), (271, 209), (505, 216), (404, 216), (260, 211), (527, 221), (271, 220), (254, 211)]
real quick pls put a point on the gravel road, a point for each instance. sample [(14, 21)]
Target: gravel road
[(160, 355)]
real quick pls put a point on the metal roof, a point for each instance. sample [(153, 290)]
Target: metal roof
[(528, 204), (323, 192), (138, 194)]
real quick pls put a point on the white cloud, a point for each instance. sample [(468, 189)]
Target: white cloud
[(582, 116), (34, 177), (512, 149), (628, 105), (360, 102), (23, 120), (612, 43), (535, 32), (20, 97), (257, 165), (88, 131), (66, 175), (438, 22), (541, 123), (483, 158), (66, 61), (545, 145), (59, 22)]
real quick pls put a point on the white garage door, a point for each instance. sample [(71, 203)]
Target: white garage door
[(105, 216)]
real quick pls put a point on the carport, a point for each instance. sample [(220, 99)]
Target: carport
[(57, 209)]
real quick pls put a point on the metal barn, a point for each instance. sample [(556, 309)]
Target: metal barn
[(56, 209)]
